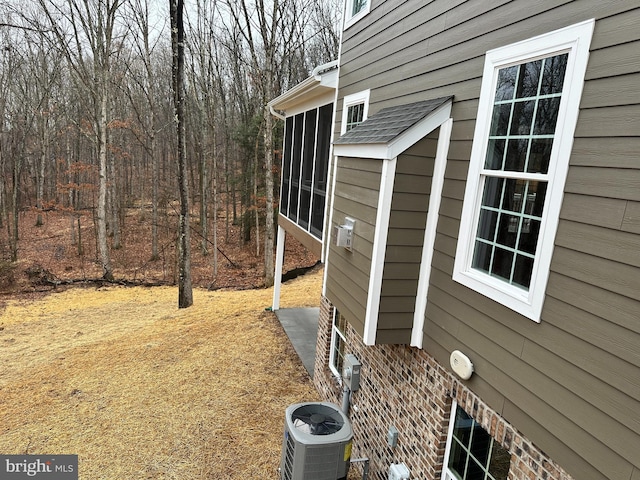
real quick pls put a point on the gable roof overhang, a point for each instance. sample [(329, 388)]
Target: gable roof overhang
[(386, 135), (322, 82), (392, 130)]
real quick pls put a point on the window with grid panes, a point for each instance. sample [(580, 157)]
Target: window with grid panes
[(527, 115), (472, 454), (355, 10), (355, 115), (355, 110), (516, 168), (338, 343)]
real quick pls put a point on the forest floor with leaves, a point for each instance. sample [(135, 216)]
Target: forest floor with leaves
[(136, 387), (48, 255)]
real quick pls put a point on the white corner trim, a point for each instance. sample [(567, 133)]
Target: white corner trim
[(327, 231), (387, 179), (433, 214)]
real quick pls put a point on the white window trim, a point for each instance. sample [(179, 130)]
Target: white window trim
[(351, 19), (332, 350), (575, 40), (446, 473), (351, 100)]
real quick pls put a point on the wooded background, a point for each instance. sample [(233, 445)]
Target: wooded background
[(87, 118)]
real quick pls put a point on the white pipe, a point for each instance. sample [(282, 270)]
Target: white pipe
[(346, 396), (276, 114)]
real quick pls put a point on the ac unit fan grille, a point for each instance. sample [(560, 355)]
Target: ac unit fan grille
[(317, 420)]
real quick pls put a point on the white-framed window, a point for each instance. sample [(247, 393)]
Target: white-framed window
[(355, 110), (355, 10), (471, 453), (527, 114), (338, 343)]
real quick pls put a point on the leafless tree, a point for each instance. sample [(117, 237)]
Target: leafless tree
[(185, 291), (86, 32)]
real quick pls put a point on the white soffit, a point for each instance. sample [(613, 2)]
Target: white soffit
[(322, 82)]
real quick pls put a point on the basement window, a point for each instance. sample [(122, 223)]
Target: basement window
[(338, 343), (472, 454)]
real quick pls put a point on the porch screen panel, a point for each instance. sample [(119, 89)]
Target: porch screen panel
[(286, 166), (325, 116), (308, 154), (296, 160)]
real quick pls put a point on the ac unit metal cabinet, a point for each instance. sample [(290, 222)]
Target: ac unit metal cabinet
[(317, 442)]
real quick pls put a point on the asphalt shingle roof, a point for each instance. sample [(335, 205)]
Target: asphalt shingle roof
[(387, 124)]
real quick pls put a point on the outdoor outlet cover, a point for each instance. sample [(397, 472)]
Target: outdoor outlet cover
[(392, 436)]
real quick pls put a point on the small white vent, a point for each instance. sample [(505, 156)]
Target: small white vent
[(461, 364)]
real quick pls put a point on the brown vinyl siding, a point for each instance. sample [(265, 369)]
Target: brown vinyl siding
[(409, 205), (356, 196), (570, 383)]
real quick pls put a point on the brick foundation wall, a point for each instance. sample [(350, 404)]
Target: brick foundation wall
[(405, 387)]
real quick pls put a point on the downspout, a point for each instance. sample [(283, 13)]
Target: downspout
[(276, 114), (331, 186)]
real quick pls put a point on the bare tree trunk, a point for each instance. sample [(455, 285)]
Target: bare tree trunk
[(269, 222), (13, 228), (215, 207), (91, 26), (256, 208), (101, 213), (70, 193), (154, 200), (44, 145), (204, 201), (185, 291), (114, 204)]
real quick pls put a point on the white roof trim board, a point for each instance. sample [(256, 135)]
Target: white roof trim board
[(392, 130), (323, 80)]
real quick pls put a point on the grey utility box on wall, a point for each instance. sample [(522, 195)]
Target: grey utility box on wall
[(351, 372)]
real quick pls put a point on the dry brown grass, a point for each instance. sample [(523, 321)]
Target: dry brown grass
[(140, 389)]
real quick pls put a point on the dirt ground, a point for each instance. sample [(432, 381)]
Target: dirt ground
[(140, 389), (50, 250)]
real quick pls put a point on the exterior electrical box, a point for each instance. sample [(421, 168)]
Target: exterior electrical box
[(343, 234), (351, 372), (392, 437)]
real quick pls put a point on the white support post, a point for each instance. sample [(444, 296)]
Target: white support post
[(277, 280)]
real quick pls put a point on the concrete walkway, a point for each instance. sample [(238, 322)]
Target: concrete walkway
[(301, 326)]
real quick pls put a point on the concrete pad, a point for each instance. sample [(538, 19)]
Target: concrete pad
[(301, 326)]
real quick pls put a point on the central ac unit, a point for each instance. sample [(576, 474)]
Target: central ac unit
[(317, 443)]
